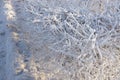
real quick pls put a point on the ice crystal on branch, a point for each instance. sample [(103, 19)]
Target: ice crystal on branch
[(85, 30)]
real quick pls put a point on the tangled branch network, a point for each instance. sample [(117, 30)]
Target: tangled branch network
[(81, 32), (86, 30)]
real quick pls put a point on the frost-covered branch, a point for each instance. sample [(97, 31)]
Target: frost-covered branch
[(86, 32)]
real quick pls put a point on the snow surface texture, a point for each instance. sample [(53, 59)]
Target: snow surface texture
[(60, 40), (2, 44)]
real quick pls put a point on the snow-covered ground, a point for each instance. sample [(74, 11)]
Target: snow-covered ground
[(59, 40), (2, 43)]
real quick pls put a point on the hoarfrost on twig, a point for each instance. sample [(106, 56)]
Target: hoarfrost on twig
[(89, 27), (86, 31)]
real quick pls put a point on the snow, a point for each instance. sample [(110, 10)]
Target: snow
[(59, 40), (2, 43)]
